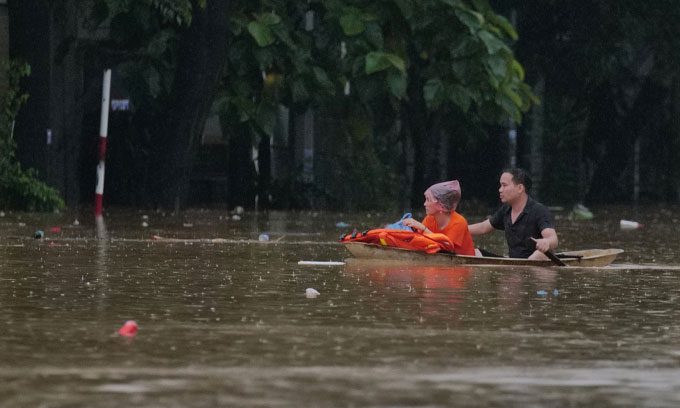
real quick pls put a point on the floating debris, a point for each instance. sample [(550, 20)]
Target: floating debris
[(341, 224), (581, 212), (39, 234), (76, 222), (325, 263), (129, 329), (236, 217), (263, 237), (311, 293), (2, 213), (238, 210), (55, 230), (187, 225), (629, 225), (145, 224)]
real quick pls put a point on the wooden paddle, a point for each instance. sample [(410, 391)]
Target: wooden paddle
[(554, 258), (557, 261)]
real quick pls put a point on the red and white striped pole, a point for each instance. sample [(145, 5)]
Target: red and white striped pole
[(103, 131)]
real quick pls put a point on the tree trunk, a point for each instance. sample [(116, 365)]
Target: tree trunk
[(201, 60)]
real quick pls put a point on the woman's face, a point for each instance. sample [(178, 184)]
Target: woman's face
[(431, 206)]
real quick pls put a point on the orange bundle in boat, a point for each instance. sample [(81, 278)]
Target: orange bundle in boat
[(414, 241)]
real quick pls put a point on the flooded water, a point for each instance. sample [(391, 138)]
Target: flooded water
[(224, 320)]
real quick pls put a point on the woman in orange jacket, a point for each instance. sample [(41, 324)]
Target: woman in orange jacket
[(441, 200)]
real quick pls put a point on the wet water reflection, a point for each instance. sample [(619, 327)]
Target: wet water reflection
[(227, 323)]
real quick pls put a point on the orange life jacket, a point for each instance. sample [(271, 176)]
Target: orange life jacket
[(414, 241)]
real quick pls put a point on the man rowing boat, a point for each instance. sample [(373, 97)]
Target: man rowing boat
[(528, 225)]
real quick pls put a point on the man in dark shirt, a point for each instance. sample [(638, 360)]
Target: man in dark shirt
[(528, 225)]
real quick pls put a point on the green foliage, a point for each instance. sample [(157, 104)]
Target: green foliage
[(144, 35), (442, 55), (177, 12), (19, 188)]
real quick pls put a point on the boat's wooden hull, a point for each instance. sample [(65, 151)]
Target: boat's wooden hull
[(585, 258)]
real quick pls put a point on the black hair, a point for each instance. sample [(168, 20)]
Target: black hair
[(520, 176)]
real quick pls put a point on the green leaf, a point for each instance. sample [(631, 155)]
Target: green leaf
[(471, 19), (352, 24), (518, 69), (492, 43), (493, 81), (497, 65), (505, 25), (516, 99), (397, 83), (261, 33), (379, 61), (433, 92)]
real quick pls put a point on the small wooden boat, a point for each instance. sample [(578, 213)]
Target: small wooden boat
[(371, 252)]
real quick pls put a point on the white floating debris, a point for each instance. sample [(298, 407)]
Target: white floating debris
[(145, 217), (263, 237), (145, 224), (328, 263), (236, 217), (187, 225), (311, 293), (76, 222), (629, 225), (239, 210), (2, 213)]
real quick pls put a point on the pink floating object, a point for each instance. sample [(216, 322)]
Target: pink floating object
[(129, 329), (55, 230)]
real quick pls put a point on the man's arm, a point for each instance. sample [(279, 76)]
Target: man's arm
[(480, 228), (548, 242)]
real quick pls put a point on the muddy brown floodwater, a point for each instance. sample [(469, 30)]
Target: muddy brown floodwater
[(225, 322)]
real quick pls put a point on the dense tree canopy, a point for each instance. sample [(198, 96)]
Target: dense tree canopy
[(404, 93)]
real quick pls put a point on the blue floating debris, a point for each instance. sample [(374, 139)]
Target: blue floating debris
[(263, 237), (541, 293), (39, 234), (341, 224), (556, 292)]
